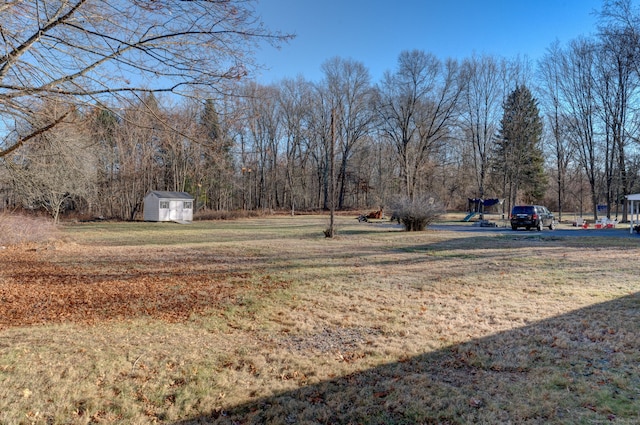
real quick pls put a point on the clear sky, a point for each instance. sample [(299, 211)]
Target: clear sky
[(374, 32)]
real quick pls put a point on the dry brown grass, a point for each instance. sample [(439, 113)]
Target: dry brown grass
[(18, 229), (266, 321)]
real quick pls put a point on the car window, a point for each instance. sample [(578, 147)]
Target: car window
[(522, 210)]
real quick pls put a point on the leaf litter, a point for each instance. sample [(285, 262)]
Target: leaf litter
[(42, 286)]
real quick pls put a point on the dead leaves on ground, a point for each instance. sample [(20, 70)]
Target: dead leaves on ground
[(43, 286)]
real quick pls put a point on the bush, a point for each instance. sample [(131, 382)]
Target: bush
[(226, 215), (18, 229), (416, 214)]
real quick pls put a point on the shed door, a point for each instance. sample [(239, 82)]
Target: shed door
[(175, 212)]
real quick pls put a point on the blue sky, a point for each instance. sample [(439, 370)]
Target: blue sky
[(374, 32)]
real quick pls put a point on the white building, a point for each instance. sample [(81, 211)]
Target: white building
[(634, 211), (168, 206)]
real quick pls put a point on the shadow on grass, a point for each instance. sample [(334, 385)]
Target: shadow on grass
[(581, 367)]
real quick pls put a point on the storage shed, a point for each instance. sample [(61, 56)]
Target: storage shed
[(634, 211), (162, 205)]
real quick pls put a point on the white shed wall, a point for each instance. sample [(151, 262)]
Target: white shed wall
[(176, 210), (151, 208)]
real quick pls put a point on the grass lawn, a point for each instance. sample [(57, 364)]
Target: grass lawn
[(267, 321)]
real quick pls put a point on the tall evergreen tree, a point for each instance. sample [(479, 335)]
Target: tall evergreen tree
[(519, 156), (209, 120), (216, 153)]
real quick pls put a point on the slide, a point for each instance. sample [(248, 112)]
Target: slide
[(469, 216)]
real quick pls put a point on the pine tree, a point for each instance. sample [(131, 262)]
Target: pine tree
[(217, 158), (209, 120), (519, 157)]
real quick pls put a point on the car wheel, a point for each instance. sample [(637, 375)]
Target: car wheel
[(514, 227), (552, 226), (539, 226)]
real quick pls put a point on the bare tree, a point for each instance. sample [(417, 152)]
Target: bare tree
[(417, 106), (58, 170), (348, 86), (295, 107), (319, 143), (179, 150), (617, 85), (481, 108), (550, 71), (263, 130), (130, 155), (579, 99), (83, 50)]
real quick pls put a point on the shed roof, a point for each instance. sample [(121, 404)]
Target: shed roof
[(634, 197), (170, 195)]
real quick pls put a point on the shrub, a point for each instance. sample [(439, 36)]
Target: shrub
[(416, 214), (226, 215), (17, 229)]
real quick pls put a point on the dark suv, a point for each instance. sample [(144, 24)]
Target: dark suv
[(529, 216)]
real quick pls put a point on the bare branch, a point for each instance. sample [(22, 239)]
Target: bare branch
[(85, 50), (37, 132)]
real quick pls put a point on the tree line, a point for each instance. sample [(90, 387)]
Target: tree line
[(562, 131)]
